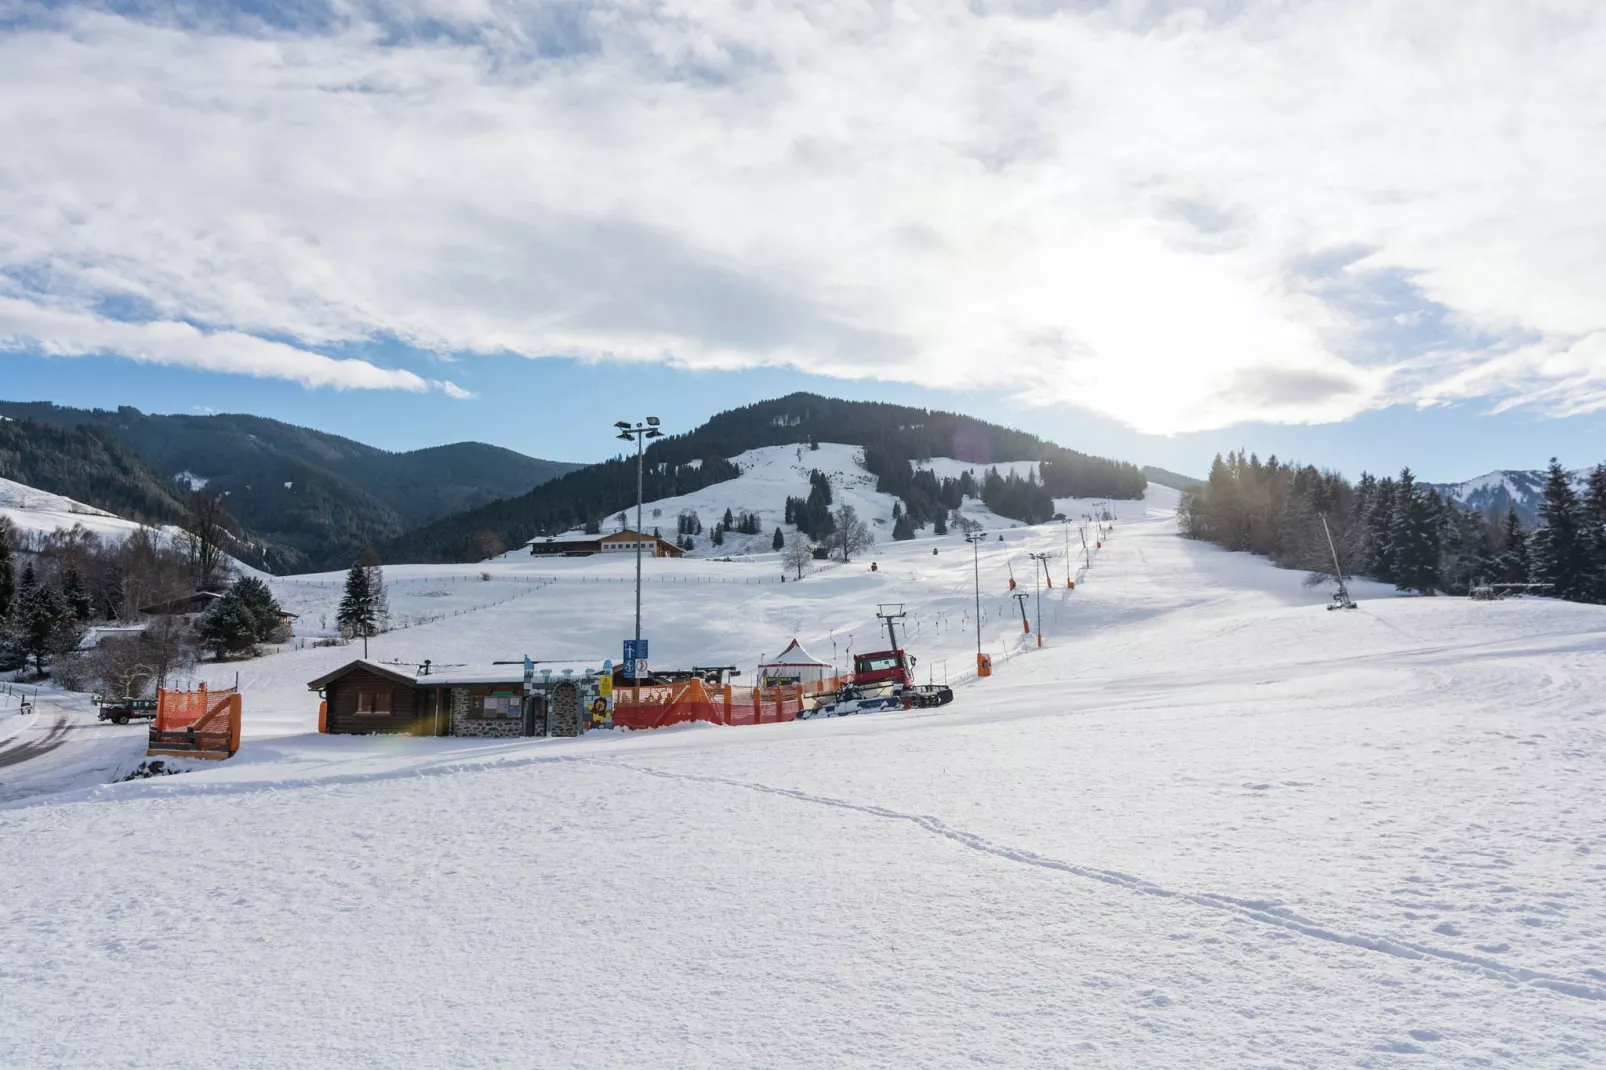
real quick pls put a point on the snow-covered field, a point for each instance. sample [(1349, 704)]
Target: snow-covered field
[(1209, 824)]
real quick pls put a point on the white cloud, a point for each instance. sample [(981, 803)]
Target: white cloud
[(1115, 206), (73, 334)]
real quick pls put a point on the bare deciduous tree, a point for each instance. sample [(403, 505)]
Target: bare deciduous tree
[(798, 553), (852, 535), (207, 528)]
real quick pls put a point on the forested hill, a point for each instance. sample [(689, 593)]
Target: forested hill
[(86, 464), (892, 435), (309, 499)]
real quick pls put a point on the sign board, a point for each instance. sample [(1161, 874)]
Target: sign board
[(635, 665)]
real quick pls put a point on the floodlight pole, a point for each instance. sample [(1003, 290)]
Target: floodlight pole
[(1065, 529), (627, 431), (975, 538)]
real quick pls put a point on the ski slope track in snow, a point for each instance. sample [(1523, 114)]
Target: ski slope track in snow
[(1208, 824)]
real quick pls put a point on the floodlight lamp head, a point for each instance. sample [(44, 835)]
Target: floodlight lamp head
[(622, 424), (652, 421), (627, 436), (655, 433)]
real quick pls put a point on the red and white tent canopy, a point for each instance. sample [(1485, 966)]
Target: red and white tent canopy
[(796, 665), (794, 656)]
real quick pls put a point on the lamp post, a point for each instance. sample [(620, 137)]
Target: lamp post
[(975, 538), (638, 432), (1065, 529), (1037, 579)]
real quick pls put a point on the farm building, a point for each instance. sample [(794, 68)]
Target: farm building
[(617, 542), (496, 701)]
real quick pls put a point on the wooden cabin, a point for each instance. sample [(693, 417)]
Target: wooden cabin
[(363, 697)]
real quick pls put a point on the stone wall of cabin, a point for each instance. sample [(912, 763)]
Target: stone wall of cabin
[(464, 724)]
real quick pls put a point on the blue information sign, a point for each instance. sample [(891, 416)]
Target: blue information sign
[(635, 660)]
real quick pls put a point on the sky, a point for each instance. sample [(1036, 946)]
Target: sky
[(1360, 234)]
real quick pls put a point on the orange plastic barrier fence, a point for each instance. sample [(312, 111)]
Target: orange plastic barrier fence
[(657, 707), (199, 720)]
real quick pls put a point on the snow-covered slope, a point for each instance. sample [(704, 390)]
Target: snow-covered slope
[(39, 512), (1209, 824), (34, 510), (771, 474)]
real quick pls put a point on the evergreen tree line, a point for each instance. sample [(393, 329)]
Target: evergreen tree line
[(900, 430), (1396, 530), (812, 515)]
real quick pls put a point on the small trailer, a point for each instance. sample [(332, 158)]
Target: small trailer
[(123, 710)]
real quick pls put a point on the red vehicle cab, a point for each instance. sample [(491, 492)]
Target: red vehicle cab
[(881, 667)]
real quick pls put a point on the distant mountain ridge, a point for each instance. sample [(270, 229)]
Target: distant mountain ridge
[(307, 499), (687, 462), (1167, 478), (88, 465), (1500, 490)]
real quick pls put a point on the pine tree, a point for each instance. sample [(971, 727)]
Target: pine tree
[(1594, 512), (259, 602), (1512, 557), (72, 589), (939, 524), (779, 541), (358, 614), (903, 529), (718, 537), (8, 578), (1414, 536), (228, 626), (43, 625), (1559, 552), (729, 520)]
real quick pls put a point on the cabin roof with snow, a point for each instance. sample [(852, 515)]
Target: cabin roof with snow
[(465, 675), (794, 656), (182, 606), (388, 672), (511, 674)]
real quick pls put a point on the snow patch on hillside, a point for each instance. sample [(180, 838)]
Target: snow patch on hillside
[(33, 510)]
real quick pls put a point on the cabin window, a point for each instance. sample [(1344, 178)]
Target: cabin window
[(877, 664), (376, 703)]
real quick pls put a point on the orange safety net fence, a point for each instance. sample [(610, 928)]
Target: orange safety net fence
[(693, 700), (199, 720)]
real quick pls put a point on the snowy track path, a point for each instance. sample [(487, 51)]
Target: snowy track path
[(1265, 912), (18, 753)]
